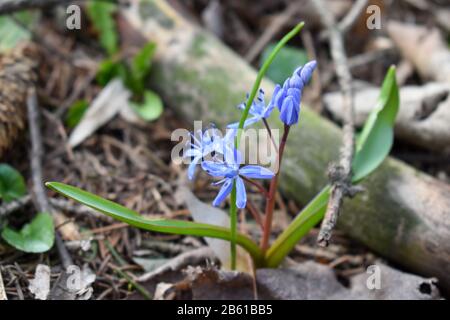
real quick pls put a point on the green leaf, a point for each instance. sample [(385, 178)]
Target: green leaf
[(372, 147), (131, 217), (299, 227), (101, 14), (12, 184), (139, 69), (109, 69), (142, 61), (286, 61), (11, 32), (37, 236), (76, 112), (377, 136), (151, 108)]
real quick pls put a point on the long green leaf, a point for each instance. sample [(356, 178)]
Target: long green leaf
[(372, 147), (131, 217), (377, 136), (101, 15)]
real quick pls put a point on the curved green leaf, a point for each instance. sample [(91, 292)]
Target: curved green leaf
[(35, 237), (131, 217), (377, 136), (372, 147), (151, 108), (305, 221), (12, 184)]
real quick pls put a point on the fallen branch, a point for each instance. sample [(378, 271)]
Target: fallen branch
[(340, 175), (42, 203)]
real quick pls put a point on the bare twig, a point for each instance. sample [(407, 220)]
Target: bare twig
[(10, 207), (349, 20), (192, 257), (41, 199), (340, 174), (352, 16)]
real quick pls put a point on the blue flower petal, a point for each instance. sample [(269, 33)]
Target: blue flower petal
[(307, 71), (233, 125), (295, 81), (241, 196), (216, 169), (192, 166), (194, 152), (289, 111), (223, 192), (296, 95), (256, 172)]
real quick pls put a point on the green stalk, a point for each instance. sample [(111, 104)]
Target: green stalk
[(233, 226), (256, 85)]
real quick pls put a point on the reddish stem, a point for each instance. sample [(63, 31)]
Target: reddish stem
[(257, 185), (266, 124), (270, 204), (255, 213)]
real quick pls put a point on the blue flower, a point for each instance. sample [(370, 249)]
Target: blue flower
[(208, 143), (288, 98), (231, 171), (258, 110)]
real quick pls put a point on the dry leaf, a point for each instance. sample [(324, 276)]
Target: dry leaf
[(424, 47), (423, 117), (307, 281), (113, 98), (204, 213), (40, 285), (2, 288)]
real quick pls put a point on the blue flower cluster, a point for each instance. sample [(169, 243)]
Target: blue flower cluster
[(226, 161), (288, 97)]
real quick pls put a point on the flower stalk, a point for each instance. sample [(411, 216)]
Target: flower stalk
[(270, 204)]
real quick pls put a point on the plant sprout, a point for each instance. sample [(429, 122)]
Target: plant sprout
[(372, 147)]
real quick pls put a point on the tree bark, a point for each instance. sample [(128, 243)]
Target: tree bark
[(404, 214)]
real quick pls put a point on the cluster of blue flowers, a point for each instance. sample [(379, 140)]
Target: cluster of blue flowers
[(226, 161)]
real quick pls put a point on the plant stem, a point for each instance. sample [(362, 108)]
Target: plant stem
[(237, 139), (233, 226), (266, 124), (255, 213), (270, 204)]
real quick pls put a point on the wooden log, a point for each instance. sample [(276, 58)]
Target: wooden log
[(404, 214)]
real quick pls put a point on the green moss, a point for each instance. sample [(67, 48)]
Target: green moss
[(197, 48), (149, 10)]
